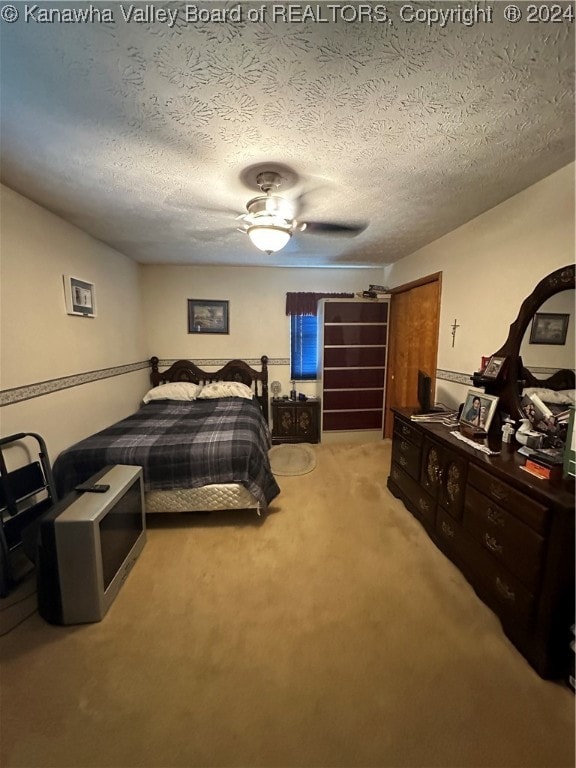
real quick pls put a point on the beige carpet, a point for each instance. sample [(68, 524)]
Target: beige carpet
[(289, 460), (333, 633)]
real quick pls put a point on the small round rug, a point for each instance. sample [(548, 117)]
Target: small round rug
[(292, 459)]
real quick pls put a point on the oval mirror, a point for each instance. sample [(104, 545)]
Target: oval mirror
[(538, 364)]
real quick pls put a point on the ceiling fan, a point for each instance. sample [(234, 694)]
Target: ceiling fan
[(270, 219)]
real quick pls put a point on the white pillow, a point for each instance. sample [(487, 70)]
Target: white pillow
[(561, 397), (175, 390), (569, 395), (225, 389)]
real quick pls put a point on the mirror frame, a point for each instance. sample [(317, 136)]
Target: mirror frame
[(510, 384)]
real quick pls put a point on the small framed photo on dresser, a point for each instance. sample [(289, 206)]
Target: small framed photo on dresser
[(80, 297), (493, 367), (478, 410)]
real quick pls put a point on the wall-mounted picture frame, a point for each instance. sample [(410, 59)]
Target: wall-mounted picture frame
[(478, 410), (208, 316), (549, 328), (493, 367), (80, 296)]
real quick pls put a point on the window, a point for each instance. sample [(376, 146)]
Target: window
[(303, 347)]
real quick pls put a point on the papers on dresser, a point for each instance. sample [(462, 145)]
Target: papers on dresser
[(477, 446), (434, 416)]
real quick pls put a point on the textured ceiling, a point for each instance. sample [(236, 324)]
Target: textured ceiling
[(138, 131)]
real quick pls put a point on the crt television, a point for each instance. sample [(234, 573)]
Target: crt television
[(88, 543)]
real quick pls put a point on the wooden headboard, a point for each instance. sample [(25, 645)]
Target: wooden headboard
[(234, 370), (562, 379)]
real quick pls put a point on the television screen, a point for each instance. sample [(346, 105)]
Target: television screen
[(424, 392), (119, 530)]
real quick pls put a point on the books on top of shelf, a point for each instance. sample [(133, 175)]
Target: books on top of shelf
[(376, 292), (370, 294)]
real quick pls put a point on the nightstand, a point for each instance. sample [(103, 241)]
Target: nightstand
[(296, 421)]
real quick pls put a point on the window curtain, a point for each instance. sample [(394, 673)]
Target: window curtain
[(303, 347), (307, 303)]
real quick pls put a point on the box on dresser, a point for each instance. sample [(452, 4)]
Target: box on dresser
[(545, 471), (511, 534)]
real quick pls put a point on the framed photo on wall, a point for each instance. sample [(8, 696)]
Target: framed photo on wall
[(478, 410), (208, 316), (549, 328), (80, 297)]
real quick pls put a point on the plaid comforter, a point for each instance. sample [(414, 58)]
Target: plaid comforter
[(180, 445)]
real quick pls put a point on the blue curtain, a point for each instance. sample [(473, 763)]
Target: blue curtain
[(303, 308), (303, 347)]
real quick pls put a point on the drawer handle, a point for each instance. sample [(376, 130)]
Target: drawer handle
[(447, 530), (405, 430), (395, 474), (403, 461), (497, 493), (404, 446), (423, 504), (495, 516), (505, 590), (492, 544)]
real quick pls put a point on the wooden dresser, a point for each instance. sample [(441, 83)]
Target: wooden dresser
[(511, 534)]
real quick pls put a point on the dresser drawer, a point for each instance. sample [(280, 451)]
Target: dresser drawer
[(408, 431), (502, 591), (407, 455), (449, 533), (507, 539), (422, 505), (526, 509)]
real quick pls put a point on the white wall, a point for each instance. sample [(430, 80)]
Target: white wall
[(40, 342), (257, 296), (489, 266)]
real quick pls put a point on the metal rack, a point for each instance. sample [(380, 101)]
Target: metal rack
[(26, 494)]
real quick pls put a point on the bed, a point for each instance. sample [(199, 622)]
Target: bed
[(557, 392), (546, 404), (202, 438)]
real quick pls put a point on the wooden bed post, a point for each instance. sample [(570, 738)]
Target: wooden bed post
[(264, 401), (264, 361), (154, 375)]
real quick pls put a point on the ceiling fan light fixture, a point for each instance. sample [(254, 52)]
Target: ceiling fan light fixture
[(269, 205), (269, 238)]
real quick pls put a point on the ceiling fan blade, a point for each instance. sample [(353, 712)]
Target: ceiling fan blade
[(202, 236), (302, 201), (328, 228), (228, 211)]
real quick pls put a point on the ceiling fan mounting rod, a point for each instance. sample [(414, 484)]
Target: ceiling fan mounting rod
[(268, 181)]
